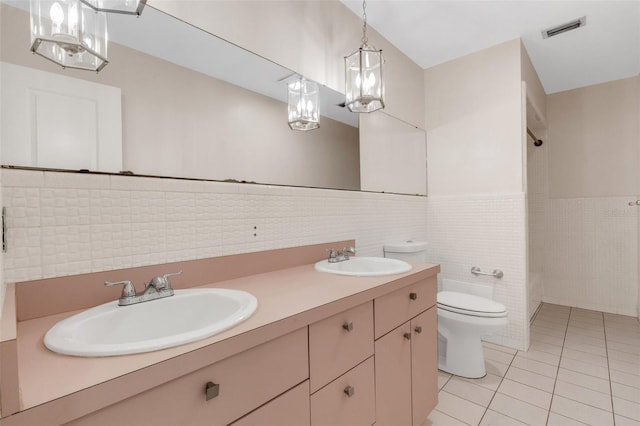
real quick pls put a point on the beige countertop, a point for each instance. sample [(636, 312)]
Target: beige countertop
[(288, 299)]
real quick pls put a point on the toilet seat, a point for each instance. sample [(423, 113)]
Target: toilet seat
[(468, 304)]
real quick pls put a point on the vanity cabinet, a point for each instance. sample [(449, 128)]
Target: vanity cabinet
[(406, 354), (289, 409), (341, 368), (245, 382)]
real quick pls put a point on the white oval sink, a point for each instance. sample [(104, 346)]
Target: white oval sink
[(364, 266), (188, 316)]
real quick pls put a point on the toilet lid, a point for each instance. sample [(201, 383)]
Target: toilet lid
[(469, 304)]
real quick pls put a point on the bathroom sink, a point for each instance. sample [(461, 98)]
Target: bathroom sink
[(188, 316), (364, 266)]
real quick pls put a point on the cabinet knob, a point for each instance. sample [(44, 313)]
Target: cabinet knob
[(348, 326), (349, 391), (211, 390), (407, 336), (418, 329), (413, 296)]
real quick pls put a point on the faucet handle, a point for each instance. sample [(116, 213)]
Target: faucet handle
[(162, 282), (349, 249), (128, 290), (332, 253)]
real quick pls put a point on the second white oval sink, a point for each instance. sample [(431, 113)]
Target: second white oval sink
[(187, 316), (364, 266)]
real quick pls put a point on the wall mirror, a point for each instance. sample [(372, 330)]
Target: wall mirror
[(173, 101)]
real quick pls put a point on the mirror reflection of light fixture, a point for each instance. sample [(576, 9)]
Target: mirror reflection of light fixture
[(303, 104), (69, 33), (129, 7), (364, 86)]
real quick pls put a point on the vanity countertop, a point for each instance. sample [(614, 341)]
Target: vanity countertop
[(288, 299)]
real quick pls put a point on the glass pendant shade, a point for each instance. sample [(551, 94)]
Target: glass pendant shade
[(69, 33), (364, 84), (129, 7), (304, 111)]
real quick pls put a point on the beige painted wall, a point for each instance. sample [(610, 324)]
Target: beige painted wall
[(309, 37), (177, 122), (593, 140), (474, 124)]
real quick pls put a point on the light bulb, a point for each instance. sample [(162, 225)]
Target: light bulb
[(57, 14)]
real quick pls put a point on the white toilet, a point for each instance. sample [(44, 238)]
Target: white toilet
[(462, 317)]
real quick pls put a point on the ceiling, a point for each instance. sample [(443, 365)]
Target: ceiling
[(432, 32)]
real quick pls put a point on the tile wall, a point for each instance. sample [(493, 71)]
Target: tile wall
[(69, 223), (488, 231)]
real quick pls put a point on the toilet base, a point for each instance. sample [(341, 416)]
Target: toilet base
[(462, 357)]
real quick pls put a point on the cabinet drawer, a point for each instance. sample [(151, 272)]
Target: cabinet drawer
[(332, 405), (403, 304), (338, 343), (247, 380), (289, 409)]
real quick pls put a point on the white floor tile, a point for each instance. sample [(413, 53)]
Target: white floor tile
[(578, 345), (584, 395), (584, 340), (490, 381), (623, 347), (545, 347), (437, 418), (625, 367), (598, 360), (499, 356), (443, 378), (625, 392), (469, 391), (625, 378), (493, 418), (545, 357), (525, 393), (519, 410), (624, 421), (545, 338), (626, 408), (459, 408), (585, 368), (623, 356), (535, 366), (538, 381), (594, 332), (581, 412), (556, 419), (496, 368), (499, 348), (584, 380)]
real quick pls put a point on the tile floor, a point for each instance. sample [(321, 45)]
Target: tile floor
[(583, 367)]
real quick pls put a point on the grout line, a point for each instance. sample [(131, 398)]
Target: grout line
[(496, 391), (606, 349), (553, 391)]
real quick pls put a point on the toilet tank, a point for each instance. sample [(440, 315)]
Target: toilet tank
[(409, 251)]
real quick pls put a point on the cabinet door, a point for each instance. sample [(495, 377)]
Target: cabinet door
[(424, 364), (393, 377)]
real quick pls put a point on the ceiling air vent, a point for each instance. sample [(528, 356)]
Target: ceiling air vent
[(576, 23)]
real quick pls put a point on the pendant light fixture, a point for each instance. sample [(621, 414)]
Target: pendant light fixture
[(128, 7), (69, 33), (363, 75), (304, 111)]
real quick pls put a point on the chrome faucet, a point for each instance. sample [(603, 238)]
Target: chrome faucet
[(340, 256), (157, 288)]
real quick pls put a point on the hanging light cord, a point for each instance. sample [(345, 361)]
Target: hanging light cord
[(364, 25)]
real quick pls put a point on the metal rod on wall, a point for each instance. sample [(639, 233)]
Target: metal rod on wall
[(536, 141)]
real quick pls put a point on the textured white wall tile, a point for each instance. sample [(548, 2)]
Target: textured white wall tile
[(65, 229), (487, 231)]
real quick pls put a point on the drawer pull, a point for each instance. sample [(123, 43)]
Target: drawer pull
[(348, 326), (418, 329), (350, 391), (413, 296), (407, 336), (211, 390)]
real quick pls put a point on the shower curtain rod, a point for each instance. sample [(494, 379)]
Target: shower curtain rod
[(536, 141)]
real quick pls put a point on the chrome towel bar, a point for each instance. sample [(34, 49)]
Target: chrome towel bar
[(497, 273)]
